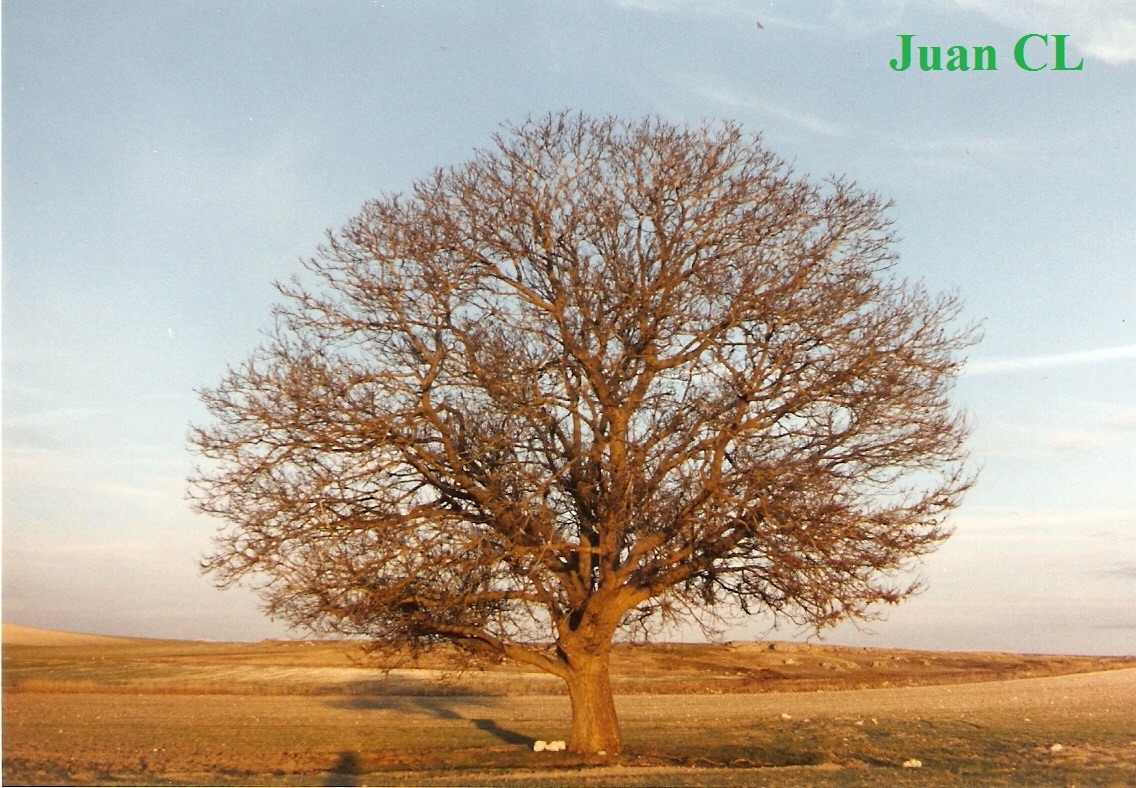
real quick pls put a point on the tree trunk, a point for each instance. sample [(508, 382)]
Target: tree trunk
[(595, 728)]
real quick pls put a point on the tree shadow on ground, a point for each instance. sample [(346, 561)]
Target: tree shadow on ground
[(346, 771), (504, 734), (442, 708)]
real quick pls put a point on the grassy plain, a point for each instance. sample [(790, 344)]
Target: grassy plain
[(80, 710)]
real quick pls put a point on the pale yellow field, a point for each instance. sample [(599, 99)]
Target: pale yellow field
[(15, 635)]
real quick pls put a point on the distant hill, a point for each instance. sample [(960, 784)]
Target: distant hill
[(15, 635)]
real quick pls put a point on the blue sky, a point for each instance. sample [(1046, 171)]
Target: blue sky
[(164, 163)]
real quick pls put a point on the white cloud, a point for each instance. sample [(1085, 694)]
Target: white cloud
[(1103, 29), (860, 18), (993, 366), (1126, 422), (1004, 520), (1078, 440), (1010, 439), (737, 99)]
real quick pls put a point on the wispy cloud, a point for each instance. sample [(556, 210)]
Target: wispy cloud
[(738, 99), (1120, 572), (1014, 442), (1080, 440), (1104, 30), (994, 366), (1125, 422), (866, 18), (1004, 521)]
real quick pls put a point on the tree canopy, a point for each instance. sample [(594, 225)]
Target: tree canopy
[(603, 376)]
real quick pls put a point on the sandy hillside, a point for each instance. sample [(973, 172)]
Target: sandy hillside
[(15, 635)]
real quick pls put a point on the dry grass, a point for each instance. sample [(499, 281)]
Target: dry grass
[(149, 712), (15, 635), (90, 664)]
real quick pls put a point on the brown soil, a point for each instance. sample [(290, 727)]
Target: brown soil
[(81, 709)]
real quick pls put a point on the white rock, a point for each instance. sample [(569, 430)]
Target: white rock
[(786, 716), (540, 745), (913, 763), (556, 746), (1056, 748)]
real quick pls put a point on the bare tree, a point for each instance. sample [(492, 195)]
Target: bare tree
[(604, 375)]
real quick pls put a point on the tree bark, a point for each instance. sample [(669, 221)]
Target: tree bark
[(595, 727)]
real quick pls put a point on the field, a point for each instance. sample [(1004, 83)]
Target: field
[(94, 710)]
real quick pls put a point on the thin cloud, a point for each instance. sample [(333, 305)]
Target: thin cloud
[(736, 99), (1126, 422), (1079, 440), (1104, 30), (1003, 521), (866, 18), (1120, 572), (995, 366)]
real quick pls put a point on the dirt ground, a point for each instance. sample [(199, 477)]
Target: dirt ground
[(141, 712)]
